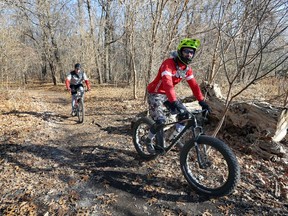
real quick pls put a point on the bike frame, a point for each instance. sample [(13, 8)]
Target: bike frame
[(191, 123), (79, 96), (79, 99)]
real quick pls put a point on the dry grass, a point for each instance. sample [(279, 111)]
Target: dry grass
[(14, 100), (23, 100), (269, 90)]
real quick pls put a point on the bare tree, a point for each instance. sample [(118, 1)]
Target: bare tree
[(47, 19), (93, 39), (108, 32), (131, 11), (232, 35), (81, 27), (156, 12), (260, 43), (177, 11)]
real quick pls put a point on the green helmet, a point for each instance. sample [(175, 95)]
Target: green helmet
[(187, 43)]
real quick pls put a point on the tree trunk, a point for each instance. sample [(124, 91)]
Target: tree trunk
[(156, 21), (93, 39), (212, 73), (81, 27), (53, 72), (108, 32)]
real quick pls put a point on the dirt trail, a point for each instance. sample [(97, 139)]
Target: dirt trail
[(51, 165)]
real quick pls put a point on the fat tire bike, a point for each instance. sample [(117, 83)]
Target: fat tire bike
[(207, 163)]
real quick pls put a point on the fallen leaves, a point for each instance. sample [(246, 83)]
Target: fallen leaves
[(152, 201), (226, 208), (62, 168), (107, 198)]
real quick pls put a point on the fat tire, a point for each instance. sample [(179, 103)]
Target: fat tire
[(234, 170), (138, 146)]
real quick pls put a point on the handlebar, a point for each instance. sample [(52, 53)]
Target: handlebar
[(204, 112), (194, 115), (197, 111), (85, 90)]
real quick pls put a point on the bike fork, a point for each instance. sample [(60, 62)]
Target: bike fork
[(201, 155)]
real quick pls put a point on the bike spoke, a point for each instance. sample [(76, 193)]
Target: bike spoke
[(140, 134), (211, 171)]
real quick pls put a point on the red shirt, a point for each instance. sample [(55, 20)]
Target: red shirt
[(168, 77)]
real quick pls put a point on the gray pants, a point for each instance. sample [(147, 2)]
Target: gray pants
[(156, 111), (156, 107)]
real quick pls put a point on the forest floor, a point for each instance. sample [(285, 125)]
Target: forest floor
[(51, 165)]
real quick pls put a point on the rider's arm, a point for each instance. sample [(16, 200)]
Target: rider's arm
[(87, 82), (67, 82), (168, 86), (88, 85), (194, 86)]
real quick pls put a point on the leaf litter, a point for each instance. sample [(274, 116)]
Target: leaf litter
[(51, 165)]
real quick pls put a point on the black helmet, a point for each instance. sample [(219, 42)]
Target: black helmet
[(78, 66)]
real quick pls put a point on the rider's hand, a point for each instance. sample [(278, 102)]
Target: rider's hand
[(183, 115), (180, 110), (205, 106), (69, 89), (88, 89), (174, 107), (178, 107)]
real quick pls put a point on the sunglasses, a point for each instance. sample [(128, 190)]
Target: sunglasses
[(188, 51)]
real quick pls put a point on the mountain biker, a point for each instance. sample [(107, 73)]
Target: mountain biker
[(74, 82), (161, 89)]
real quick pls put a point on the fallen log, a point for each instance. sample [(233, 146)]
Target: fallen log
[(252, 124)]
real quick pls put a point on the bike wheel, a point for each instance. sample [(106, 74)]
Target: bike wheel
[(81, 111), (140, 132), (211, 170)]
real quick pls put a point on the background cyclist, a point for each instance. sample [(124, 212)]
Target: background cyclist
[(74, 82)]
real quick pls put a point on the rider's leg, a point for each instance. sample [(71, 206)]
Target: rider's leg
[(156, 111), (157, 127), (73, 98), (73, 104), (78, 88), (181, 116), (81, 89)]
